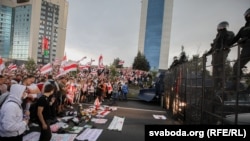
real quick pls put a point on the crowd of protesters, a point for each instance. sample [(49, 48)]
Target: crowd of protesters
[(67, 91)]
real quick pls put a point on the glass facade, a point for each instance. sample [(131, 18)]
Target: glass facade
[(153, 33), (21, 34), (5, 30)]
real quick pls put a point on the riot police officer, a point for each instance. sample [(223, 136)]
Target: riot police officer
[(243, 40), (219, 50)]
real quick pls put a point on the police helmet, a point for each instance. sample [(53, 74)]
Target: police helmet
[(247, 14), (223, 25)]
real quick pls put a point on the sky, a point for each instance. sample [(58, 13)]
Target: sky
[(111, 27)]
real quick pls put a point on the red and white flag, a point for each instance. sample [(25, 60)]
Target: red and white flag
[(2, 66), (83, 67), (121, 62), (100, 63), (57, 62), (46, 68), (63, 63), (64, 60), (12, 67), (61, 73), (72, 66)]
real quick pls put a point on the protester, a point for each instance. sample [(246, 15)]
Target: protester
[(44, 104), (109, 89), (13, 123), (55, 95), (91, 90), (32, 91), (63, 91), (115, 92), (125, 91), (84, 89), (3, 86)]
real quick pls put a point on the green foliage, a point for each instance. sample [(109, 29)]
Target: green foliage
[(31, 66), (116, 63), (113, 72), (141, 63)]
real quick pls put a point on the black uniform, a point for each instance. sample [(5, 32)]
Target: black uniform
[(219, 50), (243, 39)]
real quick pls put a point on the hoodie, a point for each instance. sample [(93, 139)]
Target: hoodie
[(11, 113)]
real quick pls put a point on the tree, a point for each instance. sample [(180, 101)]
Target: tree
[(141, 63), (116, 63), (31, 66), (113, 72)]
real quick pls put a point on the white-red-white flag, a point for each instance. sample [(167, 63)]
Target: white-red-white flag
[(83, 67), (64, 60), (61, 73), (57, 62), (71, 66), (12, 67), (100, 63), (46, 68), (121, 62)]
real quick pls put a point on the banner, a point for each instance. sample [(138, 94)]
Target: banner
[(45, 46)]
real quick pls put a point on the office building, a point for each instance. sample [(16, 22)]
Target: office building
[(155, 31), (28, 23)]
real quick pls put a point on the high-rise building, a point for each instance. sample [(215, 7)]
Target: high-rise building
[(155, 31), (25, 23)]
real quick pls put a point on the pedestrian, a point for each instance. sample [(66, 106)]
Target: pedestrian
[(243, 40), (91, 90), (115, 92), (13, 121), (44, 104), (220, 49), (56, 95), (125, 91), (63, 91)]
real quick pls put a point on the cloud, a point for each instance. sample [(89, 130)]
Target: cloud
[(111, 27)]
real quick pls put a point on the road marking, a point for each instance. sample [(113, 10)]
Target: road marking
[(141, 109)]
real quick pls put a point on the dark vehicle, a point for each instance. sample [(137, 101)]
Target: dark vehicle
[(155, 92)]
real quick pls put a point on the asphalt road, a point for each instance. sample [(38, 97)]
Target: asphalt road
[(137, 114)]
